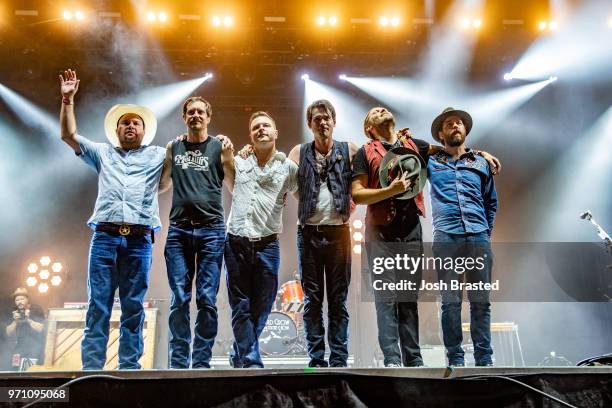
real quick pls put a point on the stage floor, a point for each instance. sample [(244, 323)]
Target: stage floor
[(324, 387)]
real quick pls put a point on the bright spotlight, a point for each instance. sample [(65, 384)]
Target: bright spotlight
[(357, 224), (56, 280), (395, 21), (228, 21), (342, 77), (321, 20), (332, 21), (208, 76), (383, 21), (358, 236), (162, 17), (357, 249), (477, 23), (68, 15), (79, 15), (44, 274), (216, 21), (553, 25), (542, 25), (305, 77), (32, 268), (552, 78), (56, 267), (507, 76), (31, 281), (43, 287), (151, 16), (45, 261), (610, 23), (465, 23)]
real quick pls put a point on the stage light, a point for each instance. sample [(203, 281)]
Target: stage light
[(358, 236), (68, 15), (552, 78), (79, 15), (473, 23), (163, 17), (44, 274), (553, 25), (228, 21), (332, 21), (216, 21), (395, 22), (208, 76), (45, 261), (43, 287), (610, 22), (508, 76), (465, 23), (151, 17), (321, 20), (383, 21), (305, 77), (32, 268), (56, 267), (357, 224), (357, 249), (56, 280), (542, 25), (477, 23), (31, 281), (342, 77)]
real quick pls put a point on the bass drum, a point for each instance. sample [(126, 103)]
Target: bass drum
[(278, 335)]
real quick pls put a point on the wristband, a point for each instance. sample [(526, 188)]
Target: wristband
[(66, 101)]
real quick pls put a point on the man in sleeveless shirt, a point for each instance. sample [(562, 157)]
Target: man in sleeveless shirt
[(252, 252), (324, 242), (125, 216), (389, 220), (194, 247)]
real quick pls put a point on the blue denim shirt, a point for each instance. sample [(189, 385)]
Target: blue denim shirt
[(463, 196), (128, 182)]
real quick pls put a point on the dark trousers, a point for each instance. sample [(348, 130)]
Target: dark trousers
[(116, 262), (397, 316), (193, 252), (324, 255), (465, 245), (252, 283)]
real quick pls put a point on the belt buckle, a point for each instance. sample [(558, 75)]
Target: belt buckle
[(124, 230), (255, 239)]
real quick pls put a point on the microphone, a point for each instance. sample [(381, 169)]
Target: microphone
[(586, 215)]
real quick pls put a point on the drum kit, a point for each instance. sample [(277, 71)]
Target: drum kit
[(284, 331)]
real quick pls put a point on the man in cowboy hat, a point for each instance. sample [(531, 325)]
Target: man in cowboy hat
[(392, 220), (125, 217), (464, 203), (25, 332)]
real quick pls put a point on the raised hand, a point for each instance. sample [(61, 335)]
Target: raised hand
[(227, 143), (246, 151), (69, 84)]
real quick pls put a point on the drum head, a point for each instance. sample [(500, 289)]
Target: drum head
[(278, 335)]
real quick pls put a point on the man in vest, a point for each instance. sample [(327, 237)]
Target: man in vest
[(464, 203), (389, 220), (125, 217), (252, 252), (198, 164), (323, 240)]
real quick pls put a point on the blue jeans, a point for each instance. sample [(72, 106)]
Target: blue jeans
[(465, 245), (397, 316), (252, 283), (123, 262), (325, 259), (188, 248)]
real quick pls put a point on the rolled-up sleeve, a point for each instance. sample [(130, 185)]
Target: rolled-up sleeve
[(91, 151)]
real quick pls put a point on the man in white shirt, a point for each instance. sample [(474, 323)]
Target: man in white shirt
[(252, 252)]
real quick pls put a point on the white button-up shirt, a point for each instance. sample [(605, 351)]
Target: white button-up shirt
[(259, 195)]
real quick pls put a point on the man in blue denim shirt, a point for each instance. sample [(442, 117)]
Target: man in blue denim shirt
[(464, 202), (125, 216)]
